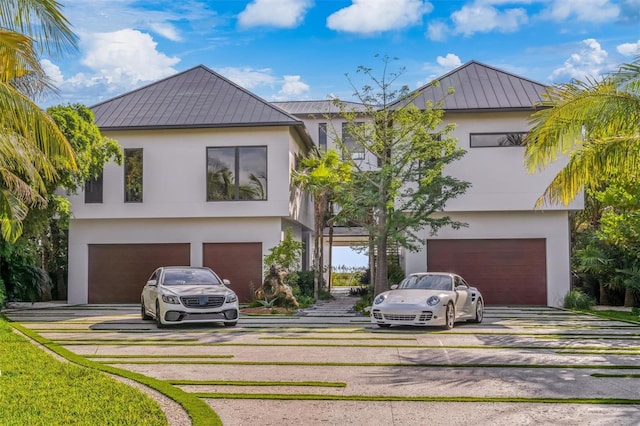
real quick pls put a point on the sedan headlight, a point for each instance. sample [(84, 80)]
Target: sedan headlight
[(378, 300), (433, 301), (231, 297), (167, 298)]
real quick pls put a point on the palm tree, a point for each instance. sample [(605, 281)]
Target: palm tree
[(596, 124), (31, 145)]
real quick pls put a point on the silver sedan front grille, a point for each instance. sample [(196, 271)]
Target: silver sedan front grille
[(202, 302)]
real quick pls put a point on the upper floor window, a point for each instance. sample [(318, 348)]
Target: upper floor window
[(349, 133), (237, 173), (133, 175), (481, 140), (322, 136), (93, 190)]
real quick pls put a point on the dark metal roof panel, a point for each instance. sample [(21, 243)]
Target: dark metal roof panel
[(317, 107), (481, 87), (197, 97)]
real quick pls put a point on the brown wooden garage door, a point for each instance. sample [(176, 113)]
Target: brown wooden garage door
[(507, 272), (117, 272), (240, 263)]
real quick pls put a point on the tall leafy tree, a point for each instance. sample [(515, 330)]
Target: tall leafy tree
[(321, 174), (596, 124), (29, 139), (405, 189)]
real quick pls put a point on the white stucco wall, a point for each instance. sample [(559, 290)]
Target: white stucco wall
[(195, 231), (550, 225)]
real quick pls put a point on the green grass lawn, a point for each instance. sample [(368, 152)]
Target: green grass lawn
[(37, 389), (617, 315)]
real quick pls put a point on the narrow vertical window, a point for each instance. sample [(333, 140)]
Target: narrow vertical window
[(349, 134), (322, 136), (133, 175), (93, 190)]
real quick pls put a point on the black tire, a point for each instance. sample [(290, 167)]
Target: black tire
[(450, 317), (158, 315), (384, 325), (479, 312), (230, 323), (143, 311)]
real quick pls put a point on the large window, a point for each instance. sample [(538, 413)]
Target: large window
[(237, 173), (133, 175), (349, 132), (482, 140), (322, 136), (93, 190)]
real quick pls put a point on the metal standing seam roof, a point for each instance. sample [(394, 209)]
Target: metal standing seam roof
[(195, 98), (299, 108), (481, 87)]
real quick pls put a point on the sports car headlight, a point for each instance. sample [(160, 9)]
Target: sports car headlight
[(378, 300), (433, 301), (231, 297), (167, 298)]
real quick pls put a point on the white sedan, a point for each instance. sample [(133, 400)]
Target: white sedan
[(186, 294), (428, 298)]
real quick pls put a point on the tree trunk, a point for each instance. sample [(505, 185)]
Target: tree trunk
[(628, 297), (372, 265), (330, 266), (604, 298)]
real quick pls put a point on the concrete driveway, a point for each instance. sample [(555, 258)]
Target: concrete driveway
[(520, 366)]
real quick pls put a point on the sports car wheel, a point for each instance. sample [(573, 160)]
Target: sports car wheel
[(158, 315), (384, 325), (479, 311), (450, 317), (143, 311)]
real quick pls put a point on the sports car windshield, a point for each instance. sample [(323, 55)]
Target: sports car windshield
[(427, 282), (190, 277)]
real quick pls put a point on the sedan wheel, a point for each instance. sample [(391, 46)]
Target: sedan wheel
[(143, 311), (479, 311), (158, 316), (450, 317)]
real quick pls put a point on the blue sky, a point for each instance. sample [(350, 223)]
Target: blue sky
[(303, 49)]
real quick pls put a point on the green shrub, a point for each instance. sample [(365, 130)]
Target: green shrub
[(576, 299), (3, 294)]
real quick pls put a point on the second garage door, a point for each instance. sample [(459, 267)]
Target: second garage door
[(506, 271), (240, 263)]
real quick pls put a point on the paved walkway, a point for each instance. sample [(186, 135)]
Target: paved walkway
[(340, 305)]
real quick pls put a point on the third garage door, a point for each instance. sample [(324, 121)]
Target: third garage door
[(506, 271)]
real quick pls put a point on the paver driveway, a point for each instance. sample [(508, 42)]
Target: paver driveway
[(520, 366)]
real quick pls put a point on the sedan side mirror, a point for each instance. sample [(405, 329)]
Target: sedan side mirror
[(152, 283), (226, 282)]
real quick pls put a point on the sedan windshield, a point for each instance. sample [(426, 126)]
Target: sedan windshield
[(427, 282), (190, 277)]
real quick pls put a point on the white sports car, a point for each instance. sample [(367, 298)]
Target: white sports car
[(428, 298), (181, 294)]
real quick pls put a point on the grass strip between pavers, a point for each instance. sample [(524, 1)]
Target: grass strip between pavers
[(201, 414), (256, 383), (390, 364), (158, 356), (321, 397), (616, 376), (599, 352)]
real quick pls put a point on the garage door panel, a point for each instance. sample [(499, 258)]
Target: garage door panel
[(240, 263), (507, 271), (118, 272)]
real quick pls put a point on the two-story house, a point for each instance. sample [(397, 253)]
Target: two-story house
[(207, 181), (513, 252)]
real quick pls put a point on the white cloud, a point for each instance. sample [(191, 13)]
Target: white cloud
[(589, 62), (582, 10), (293, 87), (249, 78), (373, 16), (437, 31), (482, 17), (629, 49), (274, 13), (166, 30), (52, 71), (125, 58), (450, 61)]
